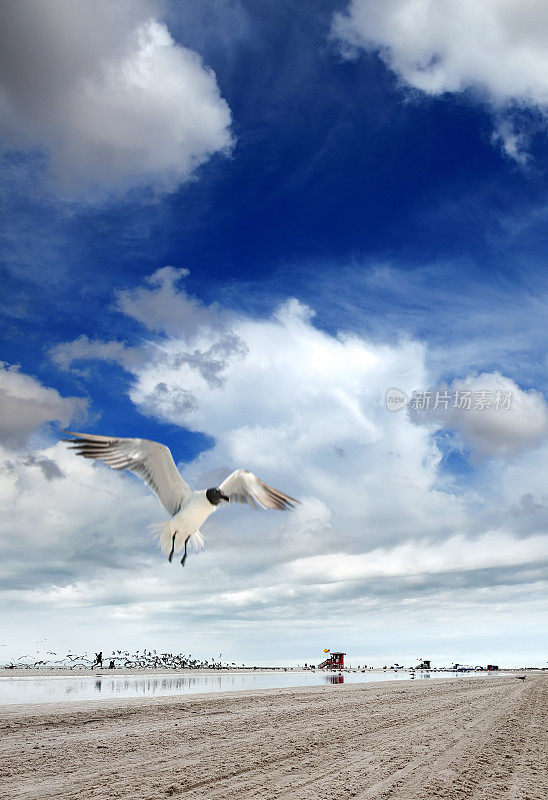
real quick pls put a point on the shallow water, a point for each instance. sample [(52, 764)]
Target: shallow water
[(55, 689)]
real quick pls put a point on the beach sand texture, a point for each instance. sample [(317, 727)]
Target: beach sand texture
[(473, 739)]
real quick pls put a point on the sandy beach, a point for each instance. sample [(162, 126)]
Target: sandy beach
[(444, 739)]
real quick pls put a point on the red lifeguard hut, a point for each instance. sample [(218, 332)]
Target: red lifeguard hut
[(333, 661)]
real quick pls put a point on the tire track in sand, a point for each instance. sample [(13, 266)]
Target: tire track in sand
[(455, 740)]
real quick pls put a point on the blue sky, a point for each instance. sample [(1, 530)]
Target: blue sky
[(360, 203)]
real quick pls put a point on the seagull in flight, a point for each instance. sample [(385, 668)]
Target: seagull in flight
[(189, 509)]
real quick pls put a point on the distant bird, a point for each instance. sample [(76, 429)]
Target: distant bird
[(189, 509), (521, 677)]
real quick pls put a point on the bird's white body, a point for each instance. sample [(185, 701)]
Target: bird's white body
[(193, 513)]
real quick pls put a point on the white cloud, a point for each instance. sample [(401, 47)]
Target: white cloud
[(306, 410), (107, 94), (85, 349), (514, 142), (497, 48), (376, 537), (502, 420), (456, 554), (83, 523), (25, 405), (161, 308)]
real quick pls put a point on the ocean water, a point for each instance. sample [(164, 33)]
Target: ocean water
[(57, 689)]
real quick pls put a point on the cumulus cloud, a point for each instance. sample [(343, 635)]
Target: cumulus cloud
[(106, 94), (162, 308), (26, 405), (297, 404), (497, 49), (290, 389), (83, 348), (381, 533), (492, 415), (46, 495)]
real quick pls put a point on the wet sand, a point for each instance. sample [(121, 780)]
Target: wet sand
[(456, 739)]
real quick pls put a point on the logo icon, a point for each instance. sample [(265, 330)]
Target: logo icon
[(396, 399)]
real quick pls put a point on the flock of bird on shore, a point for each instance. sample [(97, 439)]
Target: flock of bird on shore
[(141, 659)]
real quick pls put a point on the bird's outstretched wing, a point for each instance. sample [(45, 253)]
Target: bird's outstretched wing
[(151, 461), (244, 486)]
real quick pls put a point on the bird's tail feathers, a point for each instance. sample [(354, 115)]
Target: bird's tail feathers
[(197, 541), (161, 532), (165, 530)]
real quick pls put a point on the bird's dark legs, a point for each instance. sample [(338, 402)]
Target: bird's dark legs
[(172, 547), (185, 555)]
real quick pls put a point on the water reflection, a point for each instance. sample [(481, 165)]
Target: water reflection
[(51, 689)]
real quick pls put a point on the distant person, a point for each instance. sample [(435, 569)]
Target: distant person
[(111, 664), (98, 659)]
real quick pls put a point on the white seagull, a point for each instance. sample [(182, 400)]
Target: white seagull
[(189, 509)]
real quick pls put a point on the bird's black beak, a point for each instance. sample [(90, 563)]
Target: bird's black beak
[(224, 497)]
